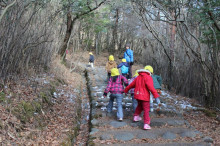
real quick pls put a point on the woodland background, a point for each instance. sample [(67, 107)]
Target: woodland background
[(179, 38)]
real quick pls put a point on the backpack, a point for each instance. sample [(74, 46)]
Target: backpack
[(124, 69)]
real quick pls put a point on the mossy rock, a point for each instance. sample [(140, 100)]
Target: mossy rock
[(1, 124), (54, 83), (37, 106), (210, 113), (61, 81), (46, 98), (91, 143), (96, 116), (2, 97), (25, 110), (52, 90)]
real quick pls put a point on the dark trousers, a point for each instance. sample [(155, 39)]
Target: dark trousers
[(126, 75), (109, 75), (130, 71)]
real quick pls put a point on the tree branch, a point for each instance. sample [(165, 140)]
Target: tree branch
[(6, 9), (212, 18), (90, 10)]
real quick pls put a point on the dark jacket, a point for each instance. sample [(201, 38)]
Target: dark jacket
[(91, 58), (157, 81), (123, 63)]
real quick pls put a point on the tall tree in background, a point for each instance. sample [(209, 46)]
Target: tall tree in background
[(208, 14), (75, 10), (192, 43)]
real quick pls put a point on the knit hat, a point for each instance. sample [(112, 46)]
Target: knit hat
[(115, 72), (123, 60), (111, 58), (127, 45), (150, 68), (90, 53), (136, 73)]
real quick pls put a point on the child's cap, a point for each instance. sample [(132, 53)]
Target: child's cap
[(136, 73), (111, 58), (90, 53), (150, 68), (123, 60), (115, 72)]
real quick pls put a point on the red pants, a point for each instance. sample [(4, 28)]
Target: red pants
[(143, 106)]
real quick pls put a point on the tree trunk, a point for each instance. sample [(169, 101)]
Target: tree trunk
[(115, 35), (172, 47), (172, 36), (69, 29), (96, 43)]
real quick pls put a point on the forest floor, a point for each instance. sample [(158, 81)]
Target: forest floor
[(44, 109)]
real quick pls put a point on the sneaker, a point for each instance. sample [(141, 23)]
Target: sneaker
[(120, 119), (137, 118), (146, 127)]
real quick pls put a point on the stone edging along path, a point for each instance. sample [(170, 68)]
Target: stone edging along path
[(168, 125)]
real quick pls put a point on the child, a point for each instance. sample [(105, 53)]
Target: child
[(116, 88), (134, 101), (128, 55), (110, 65), (91, 59), (143, 84), (124, 68), (157, 85)]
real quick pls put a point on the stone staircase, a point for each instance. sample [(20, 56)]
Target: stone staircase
[(168, 125)]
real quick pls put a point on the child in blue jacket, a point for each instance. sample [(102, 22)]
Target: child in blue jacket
[(128, 55), (124, 68)]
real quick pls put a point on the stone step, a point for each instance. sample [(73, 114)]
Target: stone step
[(106, 100), (168, 126), (153, 134), (155, 122), (127, 110), (160, 144)]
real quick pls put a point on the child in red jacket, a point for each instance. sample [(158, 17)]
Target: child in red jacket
[(143, 85)]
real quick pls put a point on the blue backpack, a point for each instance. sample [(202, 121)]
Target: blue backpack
[(124, 69)]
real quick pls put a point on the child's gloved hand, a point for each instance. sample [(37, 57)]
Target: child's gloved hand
[(157, 100), (104, 95), (158, 104)]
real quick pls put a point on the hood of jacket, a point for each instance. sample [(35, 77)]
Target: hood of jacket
[(144, 73), (125, 64), (110, 65)]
